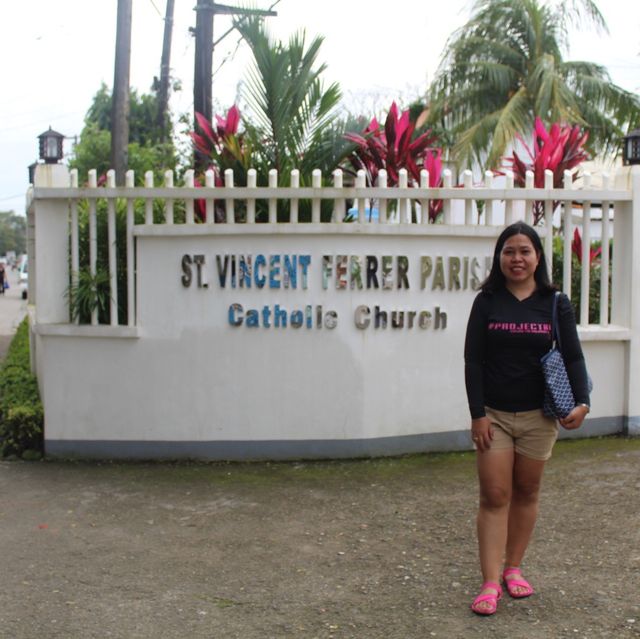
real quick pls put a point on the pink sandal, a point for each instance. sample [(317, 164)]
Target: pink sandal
[(518, 582), (489, 598)]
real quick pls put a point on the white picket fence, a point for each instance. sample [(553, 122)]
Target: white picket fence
[(399, 210)]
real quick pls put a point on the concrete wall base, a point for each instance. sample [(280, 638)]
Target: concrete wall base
[(292, 449)]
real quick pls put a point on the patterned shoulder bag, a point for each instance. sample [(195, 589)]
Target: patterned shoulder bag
[(558, 396)]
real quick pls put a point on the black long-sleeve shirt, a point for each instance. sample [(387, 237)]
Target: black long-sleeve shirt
[(506, 338)]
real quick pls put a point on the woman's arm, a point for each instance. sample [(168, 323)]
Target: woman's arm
[(572, 351), (474, 355), (574, 363)]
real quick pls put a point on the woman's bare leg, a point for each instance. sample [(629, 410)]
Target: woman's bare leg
[(523, 512), (495, 474)]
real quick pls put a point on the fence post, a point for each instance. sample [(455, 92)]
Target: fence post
[(51, 247), (625, 300)]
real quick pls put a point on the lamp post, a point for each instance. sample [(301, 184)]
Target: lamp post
[(51, 146), (631, 149)]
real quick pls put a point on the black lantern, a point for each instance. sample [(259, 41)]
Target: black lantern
[(51, 146), (631, 150)]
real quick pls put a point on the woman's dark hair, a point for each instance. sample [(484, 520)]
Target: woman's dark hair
[(496, 279)]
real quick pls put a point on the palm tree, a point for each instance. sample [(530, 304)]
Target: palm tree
[(505, 67), (292, 119)]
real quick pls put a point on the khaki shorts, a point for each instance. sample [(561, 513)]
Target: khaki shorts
[(530, 432)]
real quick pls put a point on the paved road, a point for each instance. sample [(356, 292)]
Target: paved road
[(12, 310)]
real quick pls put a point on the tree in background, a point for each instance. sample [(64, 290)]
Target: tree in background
[(93, 151), (147, 151), (505, 66), (13, 233)]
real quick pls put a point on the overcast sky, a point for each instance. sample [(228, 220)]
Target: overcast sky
[(56, 55)]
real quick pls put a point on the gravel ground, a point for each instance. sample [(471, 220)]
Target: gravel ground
[(367, 549)]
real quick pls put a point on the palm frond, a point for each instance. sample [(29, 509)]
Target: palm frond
[(472, 142), (513, 119), (291, 109), (506, 64), (578, 13)]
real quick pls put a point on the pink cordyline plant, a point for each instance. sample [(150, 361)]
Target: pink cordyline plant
[(212, 143), (223, 148), (576, 248), (392, 148), (559, 149)]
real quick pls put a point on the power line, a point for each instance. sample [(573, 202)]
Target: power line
[(156, 8)]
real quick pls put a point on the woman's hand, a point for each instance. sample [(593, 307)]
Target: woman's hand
[(481, 433), (575, 418)]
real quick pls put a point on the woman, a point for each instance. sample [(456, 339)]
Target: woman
[(509, 330)]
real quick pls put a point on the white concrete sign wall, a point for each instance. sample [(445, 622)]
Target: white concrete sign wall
[(334, 337), (307, 344)]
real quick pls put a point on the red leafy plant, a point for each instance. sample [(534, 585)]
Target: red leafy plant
[(392, 147), (558, 149), (221, 148), (222, 145), (576, 248)]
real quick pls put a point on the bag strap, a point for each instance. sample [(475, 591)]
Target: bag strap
[(555, 332)]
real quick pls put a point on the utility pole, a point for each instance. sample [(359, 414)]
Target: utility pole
[(202, 73), (163, 88), (120, 97), (202, 70)]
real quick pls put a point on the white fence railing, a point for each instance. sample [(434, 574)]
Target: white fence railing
[(461, 210)]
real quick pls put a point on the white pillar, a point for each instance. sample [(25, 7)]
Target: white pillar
[(31, 247), (51, 246), (625, 298)]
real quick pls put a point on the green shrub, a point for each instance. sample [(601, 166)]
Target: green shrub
[(22, 430), (21, 413)]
